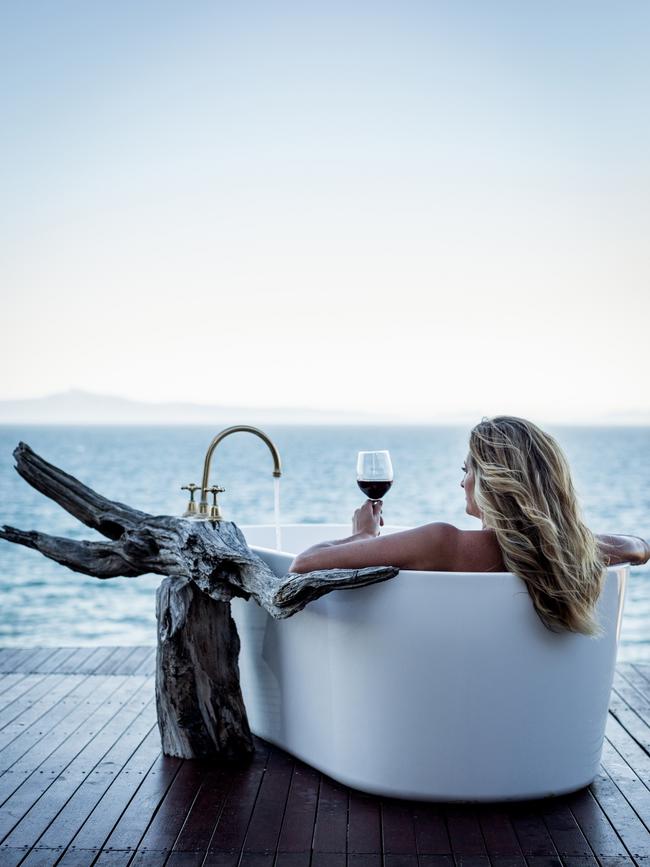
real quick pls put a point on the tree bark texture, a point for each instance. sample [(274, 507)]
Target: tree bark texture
[(198, 697), (201, 713)]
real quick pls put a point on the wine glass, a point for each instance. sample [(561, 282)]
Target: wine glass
[(374, 473)]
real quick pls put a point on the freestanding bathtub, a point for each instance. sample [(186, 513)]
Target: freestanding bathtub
[(437, 686)]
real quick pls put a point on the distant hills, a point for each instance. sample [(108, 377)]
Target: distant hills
[(84, 407)]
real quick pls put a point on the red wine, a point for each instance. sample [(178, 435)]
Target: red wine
[(374, 489)]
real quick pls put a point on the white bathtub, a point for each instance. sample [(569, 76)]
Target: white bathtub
[(439, 686)]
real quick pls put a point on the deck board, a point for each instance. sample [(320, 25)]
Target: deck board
[(330, 829), (398, 830), (431, 834), (364, 824), (230, 828), (465, 832), (265, 823), (203, 815), (83, 781), (499, 834), (595, 826), (300, 814), (74, 761), (18, 695)]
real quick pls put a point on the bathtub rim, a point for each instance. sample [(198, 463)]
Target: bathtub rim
[(392, 528)]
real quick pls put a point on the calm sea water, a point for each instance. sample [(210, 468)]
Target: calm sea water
[(44, 603)]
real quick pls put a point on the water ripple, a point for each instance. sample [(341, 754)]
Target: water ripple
[(43, 603)]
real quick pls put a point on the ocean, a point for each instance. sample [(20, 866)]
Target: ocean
[(43, 603)]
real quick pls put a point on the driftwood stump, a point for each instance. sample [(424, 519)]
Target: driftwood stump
[(201, 712)]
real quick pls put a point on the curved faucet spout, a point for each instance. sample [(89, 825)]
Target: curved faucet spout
[(277, 466)]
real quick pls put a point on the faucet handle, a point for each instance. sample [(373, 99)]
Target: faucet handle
[(215, 489), (215, 511), (191, 506)]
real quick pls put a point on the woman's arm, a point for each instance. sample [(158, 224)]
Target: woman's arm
[(366, 522), (430, 548), (353, 538), (623, 549)]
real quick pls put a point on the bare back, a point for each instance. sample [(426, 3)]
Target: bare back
[(478, 551)]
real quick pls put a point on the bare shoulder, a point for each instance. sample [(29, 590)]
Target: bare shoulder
[(429, 548), (478, 551), (443, 547)]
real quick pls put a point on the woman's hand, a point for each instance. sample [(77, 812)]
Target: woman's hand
[(366, 522), (645, 555), (623, 549), (368, 519)]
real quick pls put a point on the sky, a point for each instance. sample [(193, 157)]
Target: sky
[(422, 208)]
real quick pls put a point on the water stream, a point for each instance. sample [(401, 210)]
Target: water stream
[(276, 513)]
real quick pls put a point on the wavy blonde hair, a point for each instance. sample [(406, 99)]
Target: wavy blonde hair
[(524, 491)]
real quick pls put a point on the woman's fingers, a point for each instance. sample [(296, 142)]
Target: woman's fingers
[(367, 518)]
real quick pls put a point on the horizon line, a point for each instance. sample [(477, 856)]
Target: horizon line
[(80, 416)]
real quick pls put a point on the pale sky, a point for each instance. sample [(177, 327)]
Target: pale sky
[(422, 207)]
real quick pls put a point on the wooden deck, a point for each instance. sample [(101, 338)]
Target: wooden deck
[(83, 782)]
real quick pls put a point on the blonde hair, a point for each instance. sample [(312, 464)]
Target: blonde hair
[(524, 491)]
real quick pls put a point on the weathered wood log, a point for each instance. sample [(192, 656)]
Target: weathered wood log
[(201, 712), (198, 697)]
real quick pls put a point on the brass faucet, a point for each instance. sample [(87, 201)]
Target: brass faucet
[(213, 512)]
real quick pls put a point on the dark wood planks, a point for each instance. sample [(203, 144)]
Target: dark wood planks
[(297, 831), (83, 781), (364, 825), (330, 828), (230, 829), (112, 659), (14, 659), (263, 830), (35, 804)]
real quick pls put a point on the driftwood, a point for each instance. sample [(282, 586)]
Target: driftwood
[(201, 712)]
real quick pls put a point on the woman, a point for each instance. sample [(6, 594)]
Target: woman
[(517, 482)]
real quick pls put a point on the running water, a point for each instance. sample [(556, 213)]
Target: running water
[(276, 512)]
